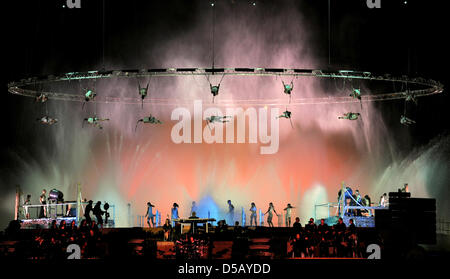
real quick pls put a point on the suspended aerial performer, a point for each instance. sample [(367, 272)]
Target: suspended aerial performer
[(350, 116), (406, 121), (409, 96), (288, 215), (42, 98), (47, 120), (214, 89), (143, 92), (214, 118), (287, 114), (270, 210), (150, 120), (253, 214), (356, 94), (149, 215), (88, 96), (95, 121), (288, 88)]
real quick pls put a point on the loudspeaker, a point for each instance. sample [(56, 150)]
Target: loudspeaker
[(413, 216)]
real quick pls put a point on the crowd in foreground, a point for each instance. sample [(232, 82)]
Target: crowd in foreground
[(311, 240)]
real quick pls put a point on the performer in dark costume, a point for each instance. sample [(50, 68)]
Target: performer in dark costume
[(43, 201), (98, 212), (87, 212)]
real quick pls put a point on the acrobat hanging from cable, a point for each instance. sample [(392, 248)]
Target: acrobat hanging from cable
[(219, 119), (215, 118), (356, 94), (288, 88), (350, 116), (148, 120), (286, 114), (143, 92), (214, 89), (95, 121), (41, 98), (89, 95), (406, 121), (410, 97), (46, 120)]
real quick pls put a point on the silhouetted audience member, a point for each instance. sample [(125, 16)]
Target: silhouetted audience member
[(311, 227), (298, 246), (297, 226), (237, 230), (340, 226), (351, 227), (323, 228), (167, 228)]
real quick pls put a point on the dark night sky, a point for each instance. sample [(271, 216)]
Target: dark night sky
[(43, 38)]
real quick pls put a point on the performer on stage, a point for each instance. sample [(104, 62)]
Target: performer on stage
[(26, 204), (149, 215), (383, 200), (253, 214), (98, 212), (87, 212), (230, 212), (193, 208), (174, 213), (405, 188), (288, 215), (270, 216), (43, 201)]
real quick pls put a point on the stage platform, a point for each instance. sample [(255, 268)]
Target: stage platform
[(44, 223)]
